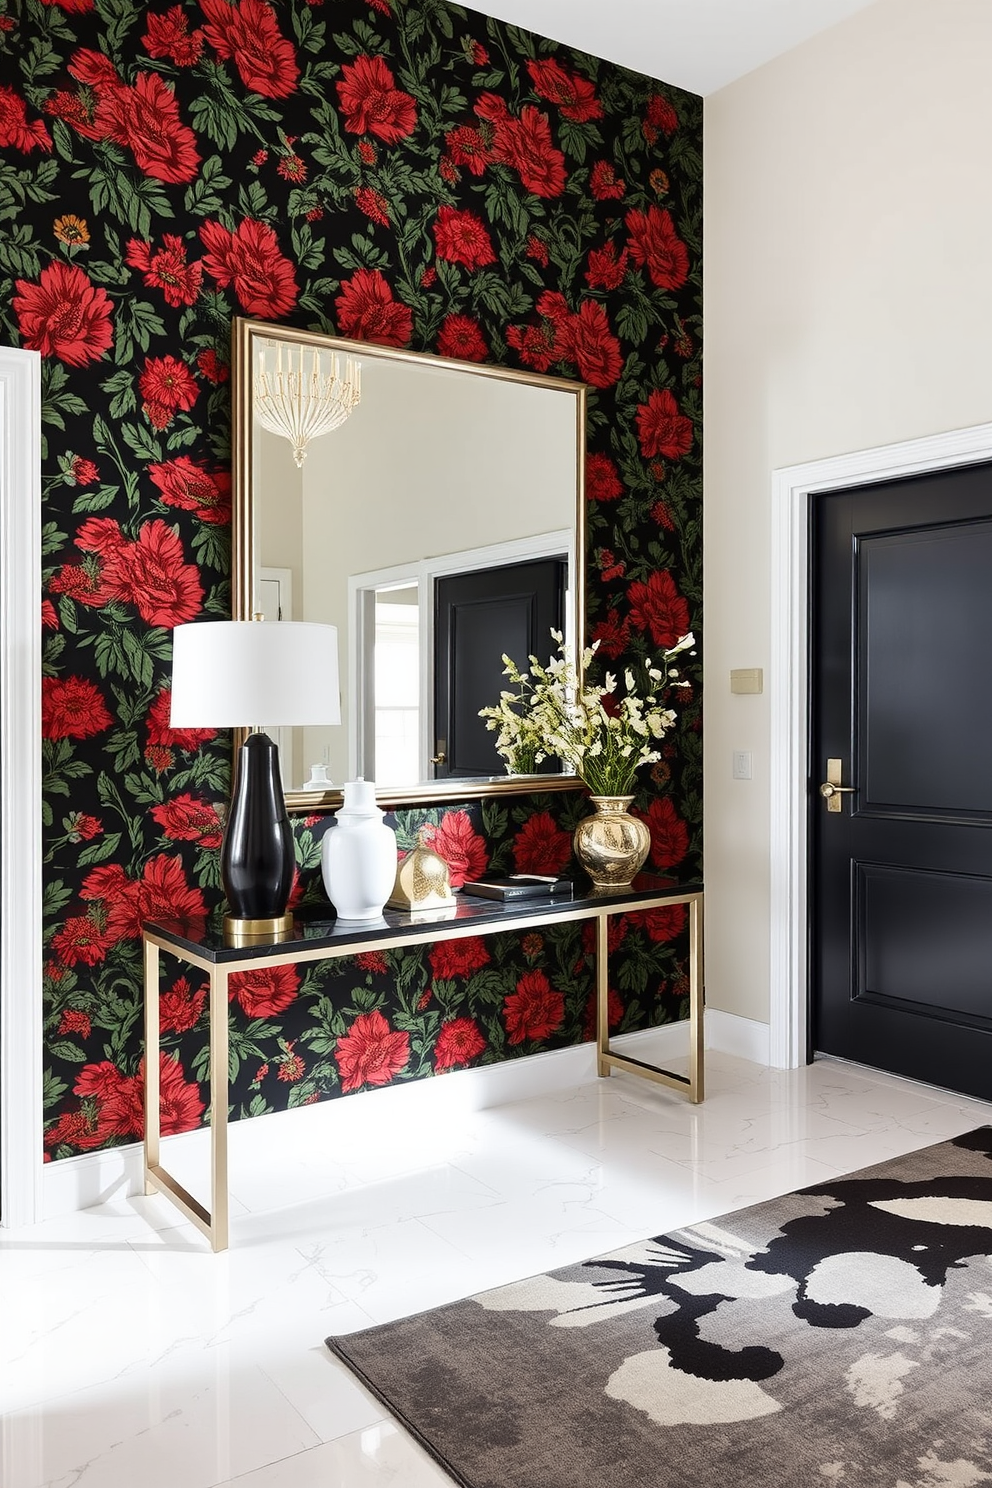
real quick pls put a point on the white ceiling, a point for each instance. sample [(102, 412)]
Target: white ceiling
[(700, 45)]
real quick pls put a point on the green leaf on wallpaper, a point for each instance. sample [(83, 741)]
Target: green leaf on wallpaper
[(211, 546), (632, 323), (123, 749), (40, 180), (212, 115), (55, 897), (577, 139), (253, 202), (208, 192), (93, 501), (63, 1049), (508, 301), (120, 386), (52, 538), (67, 615), (52, 1089), (18, 254), (98, 852), (141, 443), (139, 662)]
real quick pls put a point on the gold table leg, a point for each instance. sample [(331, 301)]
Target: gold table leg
[(213, 1222), (606, 1059)]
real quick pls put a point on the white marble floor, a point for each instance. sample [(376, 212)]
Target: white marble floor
[(130, 1357)]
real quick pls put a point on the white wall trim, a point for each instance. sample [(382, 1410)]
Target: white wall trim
[(789, 756), (21, 1120)]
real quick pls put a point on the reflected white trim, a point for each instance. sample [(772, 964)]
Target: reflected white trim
[(21, 1121)]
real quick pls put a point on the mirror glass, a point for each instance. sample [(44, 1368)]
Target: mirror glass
[(439, 525)]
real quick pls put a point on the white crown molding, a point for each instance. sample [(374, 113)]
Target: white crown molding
[(792, 488), (21, 1121)]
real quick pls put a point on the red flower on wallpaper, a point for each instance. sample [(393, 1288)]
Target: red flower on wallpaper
[(84, 472), (527, 146), (185, 484), (606, 267), (613, 635), (179, 1007), (146, 120), (468, 148), (73, 1020), (548, 342), (371, 1053), (166, 269), (72, 708), (665, 923), (87, 583), (459, 1041), (614, 1013), (213, 369), (461, 337), (458, 958), (250, 259), (152, 575), (574, 94), (661, 429), (371, 102), (119, 1099), (187, 819), (168, 36), (658, 607), (462, 238), (541, 846), (367, 311), (602, 481), (80, 940), (373, 204), (374, 961), (659, 115), (15, 131), (71, 6), (248, 33), (166, 386), (161, 732), (604, 183), (266, 991), (656, 245), (163, 893), (534, 1010), (669, 833), (456, 841), (64, 315), (594, 347)]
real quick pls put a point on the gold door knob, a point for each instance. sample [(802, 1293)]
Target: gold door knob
[(438, 759), (831, 790)]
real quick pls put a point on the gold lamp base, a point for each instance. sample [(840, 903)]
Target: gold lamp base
[(243, 932)]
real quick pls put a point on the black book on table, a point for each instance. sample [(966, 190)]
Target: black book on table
[(520, 886)]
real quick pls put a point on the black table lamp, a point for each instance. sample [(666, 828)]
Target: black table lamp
[(233, 674)]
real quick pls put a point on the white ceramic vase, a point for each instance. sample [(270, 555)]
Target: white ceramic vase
[(358, 857)]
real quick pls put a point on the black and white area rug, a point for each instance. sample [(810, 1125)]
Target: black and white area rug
[(841, 1335)]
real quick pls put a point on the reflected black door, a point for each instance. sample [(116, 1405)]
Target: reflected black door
[(479, 616), (902, 696)]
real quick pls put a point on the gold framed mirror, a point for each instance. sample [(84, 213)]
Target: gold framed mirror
[(439, 522)]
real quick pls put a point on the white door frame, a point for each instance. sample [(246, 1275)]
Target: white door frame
[(21, 1116), (791, 489)]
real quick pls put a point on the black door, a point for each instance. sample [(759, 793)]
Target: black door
[(902, 697), (477, 617)]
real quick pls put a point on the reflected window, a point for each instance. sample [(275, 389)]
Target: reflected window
[(397, 688)]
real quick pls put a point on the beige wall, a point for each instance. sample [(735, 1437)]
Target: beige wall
[(848, 272)]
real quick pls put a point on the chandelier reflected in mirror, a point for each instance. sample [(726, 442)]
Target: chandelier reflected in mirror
[(298, 399)]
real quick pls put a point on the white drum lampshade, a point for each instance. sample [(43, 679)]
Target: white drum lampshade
[(245, 674)]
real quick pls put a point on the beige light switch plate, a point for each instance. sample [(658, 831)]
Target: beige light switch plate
[(747, 679)]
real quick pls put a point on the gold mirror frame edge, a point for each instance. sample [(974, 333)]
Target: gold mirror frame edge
[(243, 331)]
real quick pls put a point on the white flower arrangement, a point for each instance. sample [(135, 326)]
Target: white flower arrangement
[(552, 714)]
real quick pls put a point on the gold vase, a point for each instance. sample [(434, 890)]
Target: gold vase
[(611, 845)]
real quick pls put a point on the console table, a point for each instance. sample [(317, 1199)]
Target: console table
[(201, 944)]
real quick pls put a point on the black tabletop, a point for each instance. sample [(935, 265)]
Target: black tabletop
[(205, 937)]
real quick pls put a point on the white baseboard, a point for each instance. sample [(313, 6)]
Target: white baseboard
[(94, 1177)]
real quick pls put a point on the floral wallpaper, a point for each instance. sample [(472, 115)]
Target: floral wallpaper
[(405, 172)]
